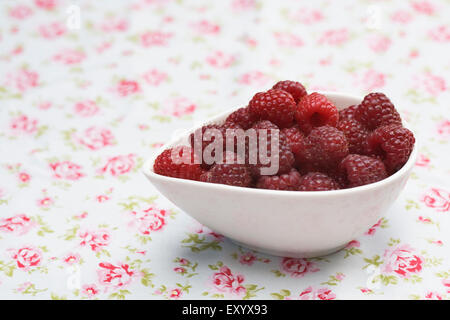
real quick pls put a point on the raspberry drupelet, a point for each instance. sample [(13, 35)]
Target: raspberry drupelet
[(393, 144), (359, 170), (377, 110), (178, 162), (317, 181), (315, 110), (288, 181), (274, 105), (294, 88)]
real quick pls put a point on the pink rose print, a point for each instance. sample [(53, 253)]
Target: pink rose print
[(86, 108), (27, 257), (96, 240), (180, 270), (115, 276), (220, 59), (353, 244), (424, 7), (319, 294), (66, 170), (289, 40), (242, 5), (334, 37), (112, 25), (307, 16), (440, 34), (89, 290), (155, 77), (20, 12), (443, 128), (433, 296), (23, 125), (372, 80), (71, 258), (53, 30), (298, 267), (149, 220), (254, 78), (402, 260), (205, 27), (248, 258), (24, 177), (374, 228), (422, 160), (431, 83), (446, 283), (401, 16), (69, 57), (45, 4), (225, 281), (379, 44), (179, 107), (127, 87), (96, 138), (175, 293), (438, 199), (119, 165), (19, 224), (24, 80), (155, 38)]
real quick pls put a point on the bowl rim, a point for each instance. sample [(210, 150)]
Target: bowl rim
[(148, 165)]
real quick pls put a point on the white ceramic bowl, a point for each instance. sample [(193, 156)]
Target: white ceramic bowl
[(283, 223)]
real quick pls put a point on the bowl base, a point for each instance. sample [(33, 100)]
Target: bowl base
[(309, 254)]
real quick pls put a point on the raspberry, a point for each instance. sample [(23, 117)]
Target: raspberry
[(230, 172), (288, 181), (315, 110), (241, 117), (360, 170), (392, 144), (317, 181), (205, 136), (294, 137), (324, 148), (347, 113), (294, 88), (274, 105), (377, 110), (355, 133), (180, 166), (284, 156)]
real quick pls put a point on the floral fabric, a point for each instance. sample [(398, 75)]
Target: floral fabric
[(90, 89)]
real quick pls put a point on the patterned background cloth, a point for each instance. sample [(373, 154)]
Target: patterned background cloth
[(84, 104)]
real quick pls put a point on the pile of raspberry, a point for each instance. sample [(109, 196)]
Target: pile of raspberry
[(320, 147)]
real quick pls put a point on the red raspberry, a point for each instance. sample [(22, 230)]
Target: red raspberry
[(377, 110), (230, 172), (181, 165), (317, 181), (347, 113), (360, 170), (206, 136), (294, 88), (274, 105), (315, 110), (324, 148), (284, 157), (295, 138), (241, 117), (288, 181), (355, 133), (392, 144)]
